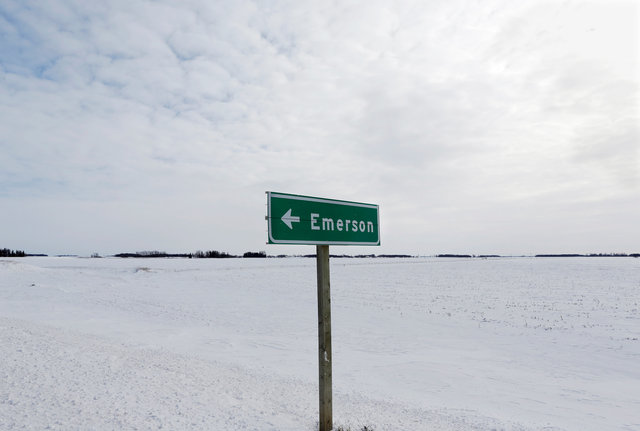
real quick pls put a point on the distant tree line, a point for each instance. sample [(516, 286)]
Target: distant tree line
[(545, 255), (482, 256), (210, 254), (214, 254), (151, 254), (255, 254), (590, 255), (5, 252), (360, 256)]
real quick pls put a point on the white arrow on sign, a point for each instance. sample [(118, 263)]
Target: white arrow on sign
[(287, 218)]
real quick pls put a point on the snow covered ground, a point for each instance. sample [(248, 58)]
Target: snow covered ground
[(437, 344)]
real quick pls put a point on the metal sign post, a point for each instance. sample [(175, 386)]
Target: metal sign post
[(297, 219)]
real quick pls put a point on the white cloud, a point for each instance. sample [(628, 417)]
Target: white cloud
[(443, 112)]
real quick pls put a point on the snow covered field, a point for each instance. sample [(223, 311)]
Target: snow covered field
[(418, 344)]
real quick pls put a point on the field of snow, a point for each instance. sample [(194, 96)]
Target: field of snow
[(418, 344)]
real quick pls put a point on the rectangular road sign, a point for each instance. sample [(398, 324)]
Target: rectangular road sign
[(296, 219)]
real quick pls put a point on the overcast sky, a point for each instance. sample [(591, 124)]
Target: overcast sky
[(507, 127)]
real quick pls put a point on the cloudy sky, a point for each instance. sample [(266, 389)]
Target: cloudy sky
[(489, 126)]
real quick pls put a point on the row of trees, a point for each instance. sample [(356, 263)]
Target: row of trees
[(214, 254), (547, 255), (210, 254), (5, 252), (590, 255)]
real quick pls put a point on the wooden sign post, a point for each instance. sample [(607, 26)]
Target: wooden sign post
[(324, 338)]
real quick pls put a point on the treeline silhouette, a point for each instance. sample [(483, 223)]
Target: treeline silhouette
[(210, 254), (5, 252), (468, 255), (544, 255), (358, 256), (215, 254), (590, 255)]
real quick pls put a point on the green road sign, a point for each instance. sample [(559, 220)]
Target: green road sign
[(295, 219)]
